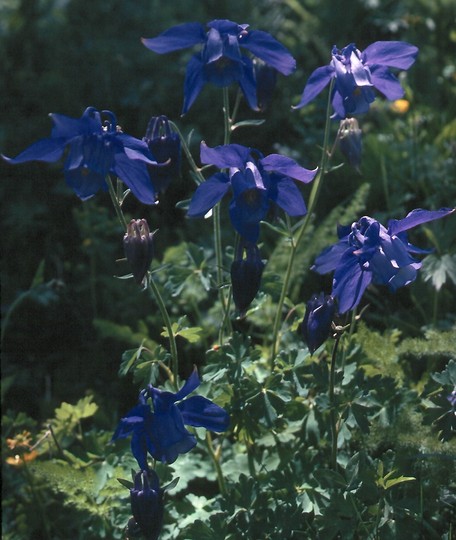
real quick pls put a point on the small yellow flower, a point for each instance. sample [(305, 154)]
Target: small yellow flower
[(400, 106)]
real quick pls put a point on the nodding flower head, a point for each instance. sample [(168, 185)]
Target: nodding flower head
[(221, 58), (357, 73), (94, 149)]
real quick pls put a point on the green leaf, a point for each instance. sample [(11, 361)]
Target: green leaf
[(436, 269)]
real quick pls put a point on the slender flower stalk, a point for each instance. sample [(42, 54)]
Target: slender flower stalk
[(161, 304), (169, 330), (216, 461), (295, 241), (116, 202), (332, 403)]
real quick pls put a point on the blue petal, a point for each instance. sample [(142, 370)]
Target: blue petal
[(247, 179), (213, 49), (191, 384), (131, 421), (194, 82), (199, 411), (398, 54), (417, 217), (360, 73), (67, 128), (248, 84), (169, 436), (247, 222), (350, 282), (318, 80), (139, 450), (84, 182), (225, 156), (285, 194), (175, 38), (47, 150), (288, 167), (387, 83), (338, 106), (135, 175), (267, 48), (208, 194), (329, 258), (135, 148)]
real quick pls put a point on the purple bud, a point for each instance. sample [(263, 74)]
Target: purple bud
[(350, 141), (246, 275), (164, 144), (139, 248), (146, 499), (316, 325)]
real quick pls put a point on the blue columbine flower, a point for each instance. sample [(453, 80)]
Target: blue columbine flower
[(162, 432), (246, 275), (367, 252), (316, 326), (220, 60), (256, 182), (164, 144), (357, 73), (146, 498), (95, 149)]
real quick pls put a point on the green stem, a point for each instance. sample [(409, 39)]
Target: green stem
[(161, 305), (332, 404), (116, 203), (216, 460), (188, 154), (295, 241), (169, 329)]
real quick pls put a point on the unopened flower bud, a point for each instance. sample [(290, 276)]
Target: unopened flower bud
[(316, 325), (246, 276), (350, 141), (139, 248), (164, 144), (146, 499)]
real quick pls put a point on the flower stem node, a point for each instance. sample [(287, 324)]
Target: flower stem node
[(139, 248)]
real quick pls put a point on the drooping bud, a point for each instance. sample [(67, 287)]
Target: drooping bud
[(316, 326), (165, 146), (350, 141), (266, 78), (146, 499), (246, 275), (139, 248)]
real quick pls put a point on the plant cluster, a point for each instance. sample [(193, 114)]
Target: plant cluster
[(317, 415)]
